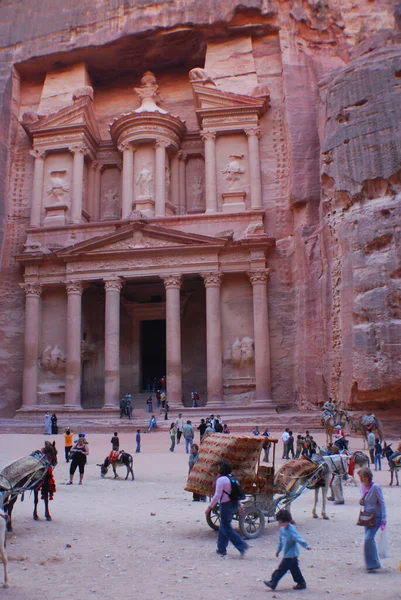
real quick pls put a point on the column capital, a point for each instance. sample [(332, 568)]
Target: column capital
[(253, 131), (259, 276), (96, 166), (37, 153), (182, 155), (78, 148), (208, 135), (172, 281), (114, 285), (32, 289), (74, 287), (162, 143), (212, 279), (125, 146)]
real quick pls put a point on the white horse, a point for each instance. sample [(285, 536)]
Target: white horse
[(3, 553)]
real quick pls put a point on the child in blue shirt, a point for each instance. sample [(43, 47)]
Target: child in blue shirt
[(288, 543)]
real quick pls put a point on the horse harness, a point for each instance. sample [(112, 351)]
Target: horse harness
[(336, 470)]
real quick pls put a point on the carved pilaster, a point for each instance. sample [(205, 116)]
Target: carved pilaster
[(172, 281), (259, 276), (32, 289), (212, 279), (74, 287)]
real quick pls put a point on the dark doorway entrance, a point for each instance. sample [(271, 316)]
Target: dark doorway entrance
[(153, 351)]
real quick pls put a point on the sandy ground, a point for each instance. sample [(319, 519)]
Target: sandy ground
[(146, 539)]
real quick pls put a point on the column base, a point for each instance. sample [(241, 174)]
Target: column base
[(233, 202)]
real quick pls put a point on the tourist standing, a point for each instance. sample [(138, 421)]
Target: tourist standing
[(149, 402), (123, 406), (299, 444), (371, 446), (68, 435), (115, 442), (290, 445), (138, 441), (48, 423), (189, 433), (166, 409), (373, 502), (266, 445), (54, 424), (179, 426), (284, 438), (288, 543), (202, 428), (172, 437), (378, 454), (227, 509), (80, 451)]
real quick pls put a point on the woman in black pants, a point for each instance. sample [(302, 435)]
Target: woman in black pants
[(80, 451)]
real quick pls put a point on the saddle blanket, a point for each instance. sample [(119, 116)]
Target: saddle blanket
[(241, 451), (288, 475), (114, 456), (20, 471)]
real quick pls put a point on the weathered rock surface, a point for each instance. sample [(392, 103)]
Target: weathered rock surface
[(330, 162)]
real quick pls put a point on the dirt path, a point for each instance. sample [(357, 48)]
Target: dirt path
[(146, 539)]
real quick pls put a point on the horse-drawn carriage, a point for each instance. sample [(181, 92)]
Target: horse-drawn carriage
[(266, 491)]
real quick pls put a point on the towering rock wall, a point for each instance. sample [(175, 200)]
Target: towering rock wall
[(330, 155)]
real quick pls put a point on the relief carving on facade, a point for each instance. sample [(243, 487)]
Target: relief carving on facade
[(149, 95), (53, 359), (256, 228), (145, 183), (199, 75), (59, 189), (110, 204), (243, 352), (233, 171)]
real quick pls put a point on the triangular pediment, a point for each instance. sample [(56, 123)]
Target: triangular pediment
[(78, 115), (210, 97), (139, 237)]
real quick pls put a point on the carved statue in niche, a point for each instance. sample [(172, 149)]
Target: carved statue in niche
[(233, 170), (59, 189), (149, 94), (197, 191), (111, 204), (145, 183), (167, 180), (243, 352), (53, 359)]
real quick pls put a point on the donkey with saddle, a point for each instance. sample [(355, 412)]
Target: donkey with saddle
[(117, 459)]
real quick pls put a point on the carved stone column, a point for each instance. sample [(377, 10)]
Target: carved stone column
[(172, 284), (37, 191), (31, 343), (112, 343), (74, 336), (79, 151), (160, 177), (97, 172), (254, 167), (259, 279), (128, 179), (209, 137), (213, 337), (183, 182), (175, 182)]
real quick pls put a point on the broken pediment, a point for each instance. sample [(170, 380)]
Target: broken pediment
[(78, 117), (138, 236)]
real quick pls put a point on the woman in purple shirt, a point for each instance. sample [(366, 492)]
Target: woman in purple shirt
[(373, 502), (227, 508)]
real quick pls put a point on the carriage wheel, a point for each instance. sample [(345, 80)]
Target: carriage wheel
[(213, 519), (251, 522)]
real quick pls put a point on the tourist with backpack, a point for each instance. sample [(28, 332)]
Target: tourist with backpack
[(228, 494)]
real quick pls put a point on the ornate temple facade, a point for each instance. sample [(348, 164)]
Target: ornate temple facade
[(133, 243)]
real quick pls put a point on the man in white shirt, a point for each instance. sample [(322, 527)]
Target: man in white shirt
[(179, 426), (284, 439)]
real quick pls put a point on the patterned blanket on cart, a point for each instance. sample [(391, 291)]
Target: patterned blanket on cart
[(241, 451), (25, 470), (289, 474)]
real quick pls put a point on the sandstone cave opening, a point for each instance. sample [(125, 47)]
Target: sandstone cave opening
[(153, 350)]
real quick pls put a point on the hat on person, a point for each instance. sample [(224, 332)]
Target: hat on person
[(338, 426)]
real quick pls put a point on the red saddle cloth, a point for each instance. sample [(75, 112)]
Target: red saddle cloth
[(113, 456)]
